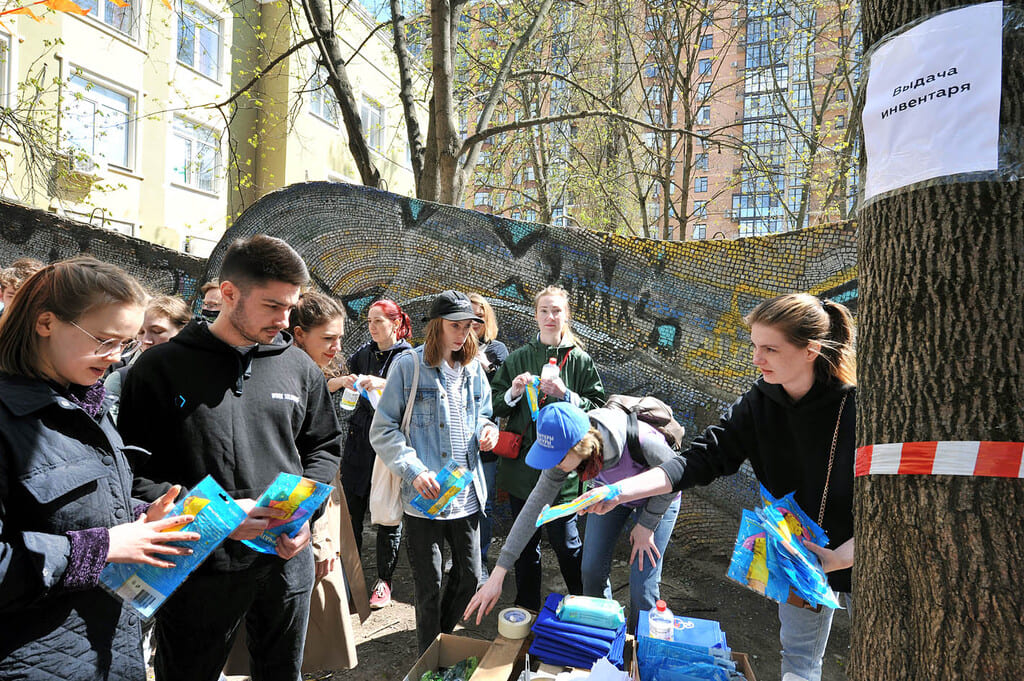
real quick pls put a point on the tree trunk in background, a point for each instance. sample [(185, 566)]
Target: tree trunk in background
[(939, 572), (330, 56)]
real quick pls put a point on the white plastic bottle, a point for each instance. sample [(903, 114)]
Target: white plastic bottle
[(662, 623), (350, 397), (550, 370)]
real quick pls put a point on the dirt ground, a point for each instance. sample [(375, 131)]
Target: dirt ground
[(693, 583)]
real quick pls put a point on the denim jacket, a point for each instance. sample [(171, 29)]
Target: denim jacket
[(428, 447)]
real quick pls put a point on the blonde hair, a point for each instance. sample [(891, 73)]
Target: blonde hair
[(490, 320), (589, 445), (69, 289), (568, 336), (803, 318), (172, 307), (433, 353)]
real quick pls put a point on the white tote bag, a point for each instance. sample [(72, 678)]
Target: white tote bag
[(386, 487)]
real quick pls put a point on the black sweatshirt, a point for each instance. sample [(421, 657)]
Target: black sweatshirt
[(787, 444), (202, 407)]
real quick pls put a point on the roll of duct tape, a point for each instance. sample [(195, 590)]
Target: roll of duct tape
[(514, 623)]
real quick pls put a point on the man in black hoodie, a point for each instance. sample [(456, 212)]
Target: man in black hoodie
[(234, 399)]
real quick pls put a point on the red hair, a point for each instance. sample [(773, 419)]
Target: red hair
[(392, 311)]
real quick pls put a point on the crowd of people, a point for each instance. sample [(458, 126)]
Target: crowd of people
[(113, 402)]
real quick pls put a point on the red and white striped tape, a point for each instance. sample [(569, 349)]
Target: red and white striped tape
[(989, 459)]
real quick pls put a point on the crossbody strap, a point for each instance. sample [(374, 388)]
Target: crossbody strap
[(831, 460), (407, 416)]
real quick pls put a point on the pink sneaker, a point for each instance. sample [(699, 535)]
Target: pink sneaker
[(381, 597)]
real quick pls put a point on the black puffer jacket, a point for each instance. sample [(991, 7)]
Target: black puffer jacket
[(60, 471)]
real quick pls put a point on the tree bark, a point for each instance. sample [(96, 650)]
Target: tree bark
[(938, 574), (412, 124), (330, 55)]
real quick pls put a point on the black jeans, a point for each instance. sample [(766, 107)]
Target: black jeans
[(425, 538), (389, 537), (196, 627), (564, 537)]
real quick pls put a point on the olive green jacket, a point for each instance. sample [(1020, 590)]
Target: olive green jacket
[(581, 378)]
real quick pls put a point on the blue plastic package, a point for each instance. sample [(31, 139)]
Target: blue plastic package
[(453, 478), (146, 587), (297, 498)]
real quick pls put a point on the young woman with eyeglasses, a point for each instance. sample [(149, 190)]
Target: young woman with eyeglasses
[(65, 481)]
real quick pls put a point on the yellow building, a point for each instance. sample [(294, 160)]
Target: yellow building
[(122, 109)]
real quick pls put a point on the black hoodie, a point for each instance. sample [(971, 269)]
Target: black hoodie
[(202, 407), (787, 444)]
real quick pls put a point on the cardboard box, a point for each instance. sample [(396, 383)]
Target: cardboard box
[(743, 665), (445, 651), (499, 659)]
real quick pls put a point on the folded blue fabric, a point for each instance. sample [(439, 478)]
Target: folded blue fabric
[(571, 644), (556, 652)]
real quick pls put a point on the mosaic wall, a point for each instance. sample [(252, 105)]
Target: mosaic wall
[(660, 318), (27, 232)]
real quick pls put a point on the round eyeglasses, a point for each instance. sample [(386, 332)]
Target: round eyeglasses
[(111, 346)]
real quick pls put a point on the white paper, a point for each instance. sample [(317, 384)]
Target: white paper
[(920, 122), (604, 670)]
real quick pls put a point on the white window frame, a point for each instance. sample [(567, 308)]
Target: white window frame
[(99, 14), (700, 231), (322, 102), (184, 8), (374, 132), (6, 68), (69, 96), (192, 162)]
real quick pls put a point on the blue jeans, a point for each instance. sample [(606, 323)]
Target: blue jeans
[(487, 521), (601, 535), (803, 634)]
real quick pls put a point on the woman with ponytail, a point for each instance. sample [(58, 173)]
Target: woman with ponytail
[(389, 328), (796, 428)]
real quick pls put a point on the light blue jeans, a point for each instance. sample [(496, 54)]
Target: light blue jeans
[(804, 634), (600, 536)]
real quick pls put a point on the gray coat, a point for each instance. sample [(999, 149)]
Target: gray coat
[(60, 471)]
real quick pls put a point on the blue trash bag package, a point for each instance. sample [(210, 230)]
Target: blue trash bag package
[(146, 587), (297, 499), (770, 558), (452, 479)]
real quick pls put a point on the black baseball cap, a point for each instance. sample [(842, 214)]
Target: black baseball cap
[(453, 306)]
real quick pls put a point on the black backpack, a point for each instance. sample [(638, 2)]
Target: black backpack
[(651, 411)]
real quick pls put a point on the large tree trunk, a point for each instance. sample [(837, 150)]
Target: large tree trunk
[(939, 575), (330, 55)]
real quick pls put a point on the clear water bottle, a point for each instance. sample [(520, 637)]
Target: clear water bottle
[(662, 623), (550, 370)]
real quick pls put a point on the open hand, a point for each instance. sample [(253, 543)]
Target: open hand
[(642, 541), (484, 599), (142, 541)]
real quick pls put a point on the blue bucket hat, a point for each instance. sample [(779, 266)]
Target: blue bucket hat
[(560, 427)]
